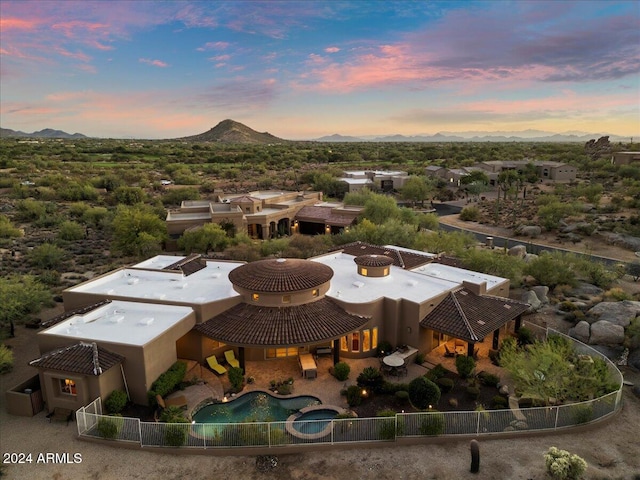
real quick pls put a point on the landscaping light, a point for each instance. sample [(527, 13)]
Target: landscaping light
[(224, 399)]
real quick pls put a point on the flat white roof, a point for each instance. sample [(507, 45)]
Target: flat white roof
[(458, 275), (356, 181), (206, 285), (351, 287), (188, 216), (127, 323)]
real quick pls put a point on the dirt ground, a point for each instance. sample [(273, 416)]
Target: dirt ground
[(610, 449), (595, 244)]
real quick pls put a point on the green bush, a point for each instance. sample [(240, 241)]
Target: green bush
[(445, 384), (354, 396), (116, 401), (236, 378), (432, 423), (420, 358), (370, 378), (46, 256), (489, 379), (172, 414), (402, 395), (71, 231), (109, 427), (387, 428), (6, 359), (582, 413), (167, 382), (499, 402), (7, 230), (341, 371), (384, 347), (175, 434), (423, 392), (525, 336), (562, 465), (470, 214), (473, 392), (465, 365), (437, 372)]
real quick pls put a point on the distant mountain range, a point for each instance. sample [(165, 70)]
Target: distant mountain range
[(230, 131), (46, 133), (525, 136)]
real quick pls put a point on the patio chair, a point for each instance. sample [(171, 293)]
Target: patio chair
[(447, 352), (212, 361), (180, 402), (230, 356), (61, 415)]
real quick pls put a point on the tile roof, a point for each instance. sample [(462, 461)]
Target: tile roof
[(245, 199), (253, 325), (471, 317), (402, 259), (449, 261), (280, 275), (78, 311), (188, 265), (320, 214), (82, 358), (373, 260)]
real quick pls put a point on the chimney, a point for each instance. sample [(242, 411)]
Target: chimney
[(476, 288)]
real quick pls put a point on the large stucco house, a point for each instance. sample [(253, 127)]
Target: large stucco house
[(124, 328)]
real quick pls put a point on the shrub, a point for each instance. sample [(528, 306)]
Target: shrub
[(465, 365), (494, 356), (371, 378), (236, 378), (71, 231), (175, 434), (562, 465), (432, 423), (470, 214), (616, 294), (6, 359), (420, 357), (525, 336), (582, 413), (341, 371), (489, 379), (387, 427), (499, 402), (402, 395), (116, 401), (354, 397), (46, 256), (445, 384), (437, 372), (167, 382), (423, 392), (285, 388), (473, 392), (109, 427), (7, 230)]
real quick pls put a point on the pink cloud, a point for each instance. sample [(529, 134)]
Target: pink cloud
[(75, 55), (213, 46), (220, 58), (17, 24), (155, 63), (332, 50)]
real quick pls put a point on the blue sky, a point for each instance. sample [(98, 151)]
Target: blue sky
[(303, 69)]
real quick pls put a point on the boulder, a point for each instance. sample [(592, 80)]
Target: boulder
[(612, 352), (618, 313), (586, 291), (532, 231), (518, 251), (634, 359), (504, 390), (530, 257), (606, 333), (581, 331), (541, 292), (531, 298)]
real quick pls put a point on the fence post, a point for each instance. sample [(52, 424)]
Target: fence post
[(557, 412), (478, 425), (140, 432), (333, 425), (269, 432), (395, 431)]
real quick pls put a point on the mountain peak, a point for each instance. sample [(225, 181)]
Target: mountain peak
[(230, 131)]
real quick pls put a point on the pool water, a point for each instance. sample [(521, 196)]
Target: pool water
[(303, 425), (253, 407)]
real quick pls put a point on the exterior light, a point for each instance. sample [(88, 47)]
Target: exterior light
[(225, 399)]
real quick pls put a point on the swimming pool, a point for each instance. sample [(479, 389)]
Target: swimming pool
[(303, 424), (253, 407)]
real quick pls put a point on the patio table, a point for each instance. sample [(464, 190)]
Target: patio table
[(393, 361)]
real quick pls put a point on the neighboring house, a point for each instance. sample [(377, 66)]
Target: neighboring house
[(625, 158), (261, 214), (547, 170), (384, 180), (124, 328)]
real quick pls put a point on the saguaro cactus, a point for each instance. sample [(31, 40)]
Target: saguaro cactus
[(475, 456)]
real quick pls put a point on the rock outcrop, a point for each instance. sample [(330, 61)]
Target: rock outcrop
[(618, 313), (606, 333), (581, 331)]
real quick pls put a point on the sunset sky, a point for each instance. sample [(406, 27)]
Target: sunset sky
[(303, 69)]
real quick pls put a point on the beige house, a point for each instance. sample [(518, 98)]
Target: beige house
[(547, 170), (625, 158), (261, 214), (123, 329), (383, 180)]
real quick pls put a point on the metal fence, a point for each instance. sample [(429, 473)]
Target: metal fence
[(91, 423)]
